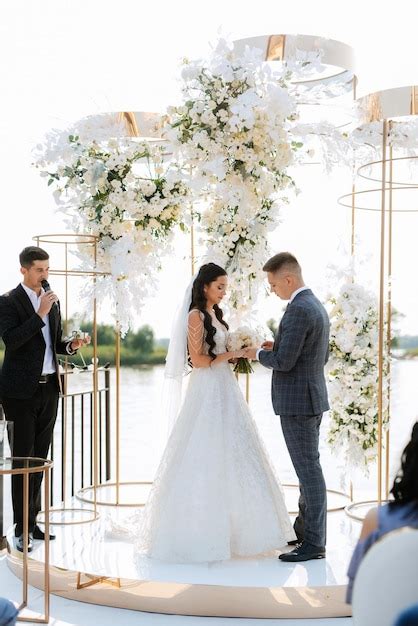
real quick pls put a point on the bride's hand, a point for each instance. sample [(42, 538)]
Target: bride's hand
[(238, 354), (267, 345)]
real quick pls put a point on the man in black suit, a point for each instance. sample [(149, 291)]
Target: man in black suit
[(30, 326)]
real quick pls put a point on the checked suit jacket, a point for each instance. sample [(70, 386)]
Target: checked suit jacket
[(299, 354), (20, 329)]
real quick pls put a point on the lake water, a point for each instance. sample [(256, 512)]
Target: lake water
[(143, 431)]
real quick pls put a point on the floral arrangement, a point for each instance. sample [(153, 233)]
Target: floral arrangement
[(353, 376), (121, 191), (234, 131), (244, 337)]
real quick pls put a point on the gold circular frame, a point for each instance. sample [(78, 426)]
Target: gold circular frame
[(329, 510), (67, 238), (95, 516), (140, 504), (351, 507), (341, 200), (337, 56), (10, 471), (380, 163), (104, 486)]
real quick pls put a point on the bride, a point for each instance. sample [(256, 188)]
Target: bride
[(215, 495)]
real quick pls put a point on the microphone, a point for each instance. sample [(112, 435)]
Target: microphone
[(47, 287)]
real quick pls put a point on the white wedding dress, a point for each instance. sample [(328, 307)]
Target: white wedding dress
[(215, 495)]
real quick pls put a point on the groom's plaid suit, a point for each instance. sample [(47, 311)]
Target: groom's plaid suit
[(299, 396)]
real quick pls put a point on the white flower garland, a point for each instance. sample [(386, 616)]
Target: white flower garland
[(233, 131), (353, 376), (102, 188)]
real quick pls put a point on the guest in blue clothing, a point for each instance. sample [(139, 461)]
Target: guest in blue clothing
[(409, 617), (8, 613), (401, 511)]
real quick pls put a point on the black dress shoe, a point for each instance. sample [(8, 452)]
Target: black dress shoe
[(39, 534), (19, 542), (295, 542), (304, 552)]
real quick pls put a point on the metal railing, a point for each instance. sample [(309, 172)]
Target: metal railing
[(72, 442)]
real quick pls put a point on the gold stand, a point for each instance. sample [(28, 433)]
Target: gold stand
[(82, 494), (67, 240), (94, 580), (25, 467), (381, 111)]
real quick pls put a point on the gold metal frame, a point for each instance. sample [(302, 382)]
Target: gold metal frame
[(343, 200), (104, 486), (67, 240), (148, 127), (351, 507), (329, 510), (279, 47), (94, 580), (41, 519), (25, 472), (383, 106), (363, 167)]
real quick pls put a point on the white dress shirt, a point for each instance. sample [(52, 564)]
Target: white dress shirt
[(292, 297), (49, 364)]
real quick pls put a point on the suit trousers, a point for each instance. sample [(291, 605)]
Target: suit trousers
[(34, 420), (301, 434)]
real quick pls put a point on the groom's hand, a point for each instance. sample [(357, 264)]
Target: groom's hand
[(267, 345), (250, 353)]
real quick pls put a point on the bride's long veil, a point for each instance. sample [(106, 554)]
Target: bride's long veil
[(176, 361)]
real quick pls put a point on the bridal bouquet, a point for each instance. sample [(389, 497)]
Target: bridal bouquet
[(244, 337)]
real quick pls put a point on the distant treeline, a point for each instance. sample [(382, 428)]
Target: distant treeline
[(407, 342), (137, 348)]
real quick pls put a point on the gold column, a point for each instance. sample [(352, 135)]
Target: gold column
[(353, 218), (95, 391), (192, 233), (25, 536), (46, 564), (389, 312), (381, 317), (192, 244), (117, 364)]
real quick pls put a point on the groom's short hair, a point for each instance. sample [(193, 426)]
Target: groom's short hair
[(283, 261)]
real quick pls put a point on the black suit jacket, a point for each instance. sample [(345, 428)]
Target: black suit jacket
[(21, 331)]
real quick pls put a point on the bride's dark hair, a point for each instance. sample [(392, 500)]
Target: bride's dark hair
[(207, 274)]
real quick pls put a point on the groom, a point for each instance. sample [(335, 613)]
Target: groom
[(299, 395)]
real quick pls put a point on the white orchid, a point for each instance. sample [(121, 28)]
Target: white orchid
[(234, 131), (353, 375), (132, 213)]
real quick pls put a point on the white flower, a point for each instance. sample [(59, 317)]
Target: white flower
[(353, 374)]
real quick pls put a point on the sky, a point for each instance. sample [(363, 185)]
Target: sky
[(61, 60)]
